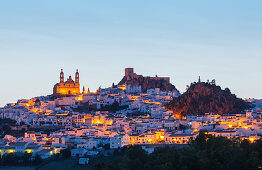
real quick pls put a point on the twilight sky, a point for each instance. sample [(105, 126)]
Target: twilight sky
[(215, 39)]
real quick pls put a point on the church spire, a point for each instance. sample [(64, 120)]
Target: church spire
[(98, 90), (84, 89), (199, 80), (77, 76)]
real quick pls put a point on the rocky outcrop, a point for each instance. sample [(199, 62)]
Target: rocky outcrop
[(204, 97)]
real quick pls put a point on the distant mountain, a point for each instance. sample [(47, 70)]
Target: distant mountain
[(206, 97), (148, 83)]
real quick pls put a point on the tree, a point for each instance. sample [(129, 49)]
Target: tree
[(99, 166), (9, 159), (37, 160), (66, 153), (6, 129), (201, 140), (27, 159), (205, 152), (187, 87), (106, 146)]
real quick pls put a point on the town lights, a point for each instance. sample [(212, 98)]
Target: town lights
[(11, 151), (79, 98), (251, 140), (29, 151)]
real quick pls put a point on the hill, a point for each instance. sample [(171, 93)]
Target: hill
[(204, 97)]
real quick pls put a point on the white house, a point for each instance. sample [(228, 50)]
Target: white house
[(119, 141), (46, 153), (83, 161), (78, 153)]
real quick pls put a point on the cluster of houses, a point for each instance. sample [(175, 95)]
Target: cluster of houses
[(141, 120)]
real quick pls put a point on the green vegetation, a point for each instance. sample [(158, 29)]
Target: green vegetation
[(65, 153), (85, 107), (59, 165), (6, 126), (136, 113), (22, 160), (7, 121), (25, 160), (205, 152), (114, 107)]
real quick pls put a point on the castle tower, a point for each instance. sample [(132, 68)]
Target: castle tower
[(129, 71), (61, 76), (77, 76)]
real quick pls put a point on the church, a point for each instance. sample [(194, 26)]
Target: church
[(68, 87)]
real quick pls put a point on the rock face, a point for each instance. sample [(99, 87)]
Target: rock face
[(204, 97), (148, 83)]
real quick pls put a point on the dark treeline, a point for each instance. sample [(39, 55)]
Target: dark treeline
[(205, 152)]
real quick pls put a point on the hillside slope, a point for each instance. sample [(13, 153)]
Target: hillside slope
[(205, 97)]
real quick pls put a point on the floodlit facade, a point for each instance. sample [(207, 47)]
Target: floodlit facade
[(68, 87)]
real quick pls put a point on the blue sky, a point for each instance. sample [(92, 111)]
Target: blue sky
[(182, 39)]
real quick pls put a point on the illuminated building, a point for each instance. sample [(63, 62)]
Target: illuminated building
[(160, 138), (119, 141), (180, 138), (85, 92), (101, 120), (67, 88)]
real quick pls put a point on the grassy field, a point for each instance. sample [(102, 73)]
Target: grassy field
[(68, 164), (59, 165), (80, 167), (17, 167)]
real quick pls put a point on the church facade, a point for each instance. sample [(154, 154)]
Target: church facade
[(68, 87)]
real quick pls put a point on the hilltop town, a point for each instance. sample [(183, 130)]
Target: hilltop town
[(130, 113)]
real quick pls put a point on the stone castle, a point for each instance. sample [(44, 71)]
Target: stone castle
[(146, 82), (129, 73)]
